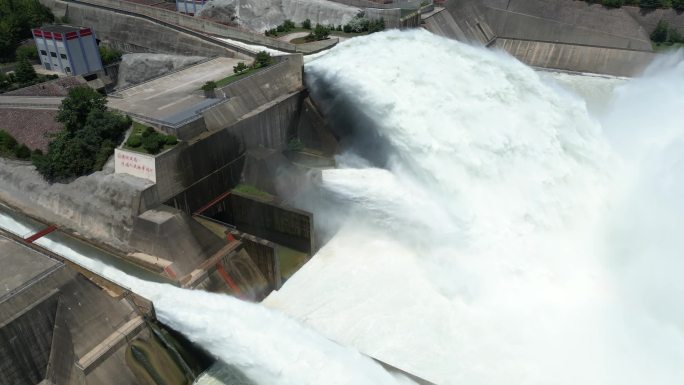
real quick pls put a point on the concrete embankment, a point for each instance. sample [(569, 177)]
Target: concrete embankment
[(558, 34), (58, 326), (577, 58), (101, 206), (137, 34)]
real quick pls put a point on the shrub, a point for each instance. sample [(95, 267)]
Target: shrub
[(109, 55), (103, 154), (678, 4), (208, 86), (376, 25), (612, 3), (147, 132), (288, 25), (240, 67), (659, 34), (153, 143), (22, 152), (7, 141), (28, 51), (134, 141), (306, 24), (25, 72), (262, 59), (280, 28), (347, 28), (320, 32), (171, 140), (651, 3)]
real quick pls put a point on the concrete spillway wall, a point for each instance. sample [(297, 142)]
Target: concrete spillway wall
[(134, 34), (60, 327), (564, 21), (559, 34), (577, 58)]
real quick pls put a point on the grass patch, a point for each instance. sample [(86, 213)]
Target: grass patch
[(233, 78), (348, 34), (145, 140), (253, 192), (294, 30)]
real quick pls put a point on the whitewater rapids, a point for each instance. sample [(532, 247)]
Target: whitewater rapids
[(487, 227)]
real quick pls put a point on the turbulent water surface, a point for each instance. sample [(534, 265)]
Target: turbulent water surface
[(488, 224)]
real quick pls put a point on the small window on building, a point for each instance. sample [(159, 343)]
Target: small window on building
[(42, 52), (53, 54), (63, 56)]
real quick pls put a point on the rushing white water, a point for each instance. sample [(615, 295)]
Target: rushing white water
[(266, 346), (498, 232)]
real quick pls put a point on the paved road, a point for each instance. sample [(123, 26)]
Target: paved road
[(173, 96), (31, 102)]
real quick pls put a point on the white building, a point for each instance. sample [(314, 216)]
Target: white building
[(71, 50), (190, 7)]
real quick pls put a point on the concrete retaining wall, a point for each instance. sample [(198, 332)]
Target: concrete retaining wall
[(256, 90), (201, 25), (403, 4), (278, 223), (213, 165), (564, 21), (134, 34), (101, 206), (443, 24), (577, 58)]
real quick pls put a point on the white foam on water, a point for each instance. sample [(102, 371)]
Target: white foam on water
[(268, 347), (502, 238)]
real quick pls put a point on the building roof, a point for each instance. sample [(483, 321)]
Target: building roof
[(59, 28)]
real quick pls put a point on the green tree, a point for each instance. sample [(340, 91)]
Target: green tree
[(651, 3), (28, 51), (678, 4), (25, 72), (306, 24), (7, 141), (77, 105), (659, 34), (209, 85), (109, 55), (674, 36), (240, 67), (262, 59), (17, 17), (153, 143), (289, 25), (22, 152), (612, 3), (320, 32)]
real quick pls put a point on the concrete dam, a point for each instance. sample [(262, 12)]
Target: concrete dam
[(326, 221)]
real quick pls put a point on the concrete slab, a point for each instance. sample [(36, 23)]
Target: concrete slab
[(173, 97), (20, 265)]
